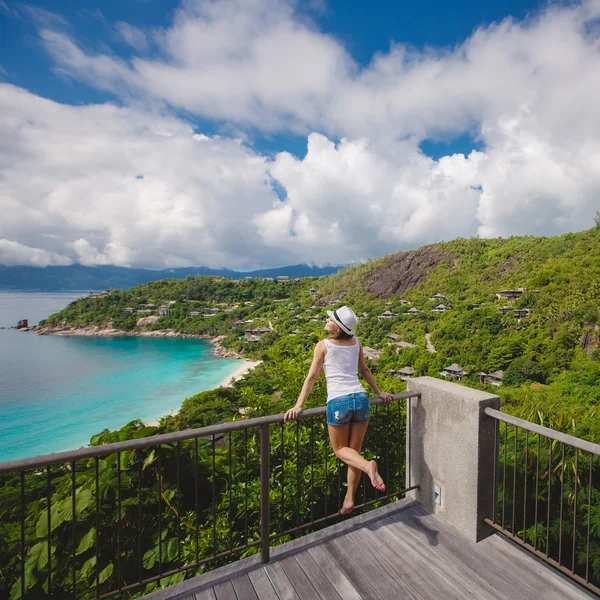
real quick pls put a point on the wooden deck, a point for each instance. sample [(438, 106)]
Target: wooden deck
[(398, 551)]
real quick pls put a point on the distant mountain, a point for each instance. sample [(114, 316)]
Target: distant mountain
[(79, 277)]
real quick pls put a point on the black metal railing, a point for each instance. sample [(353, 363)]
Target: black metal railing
[(547, 495), (123, 519)]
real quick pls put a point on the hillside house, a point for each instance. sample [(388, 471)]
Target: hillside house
[(476, 306), (437, 298), (282, 278), (129, 309), (511, 294), (494, 378), (386, 315), (296, 332), (314, 319), (144, 311), (252, 339), (371, 353), (522, 312), (413, 311), (440, 308), (404, 373), (393, 336), (404, 302), (164, 311), (454, 371), (194, 313), (505, 309), (404, 345)]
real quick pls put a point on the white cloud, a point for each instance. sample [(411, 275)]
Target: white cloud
[(527, 90), (12, 253), (132, 35)]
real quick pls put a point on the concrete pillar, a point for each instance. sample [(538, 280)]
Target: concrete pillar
[(452, 447)]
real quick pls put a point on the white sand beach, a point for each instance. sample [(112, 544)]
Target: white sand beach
[(245, 367)]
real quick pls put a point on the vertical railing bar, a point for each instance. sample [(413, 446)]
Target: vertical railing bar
[(525, 482), (537, 481), (409, 404), (74, 524), (562, 491), (549, 491), (160, 537), (376, 449), (495, 474), (214, 499), (140, 559), (504, 476), (297, 473), (514, 491), (399, 449), (575, 511), (312, 469), (22, 534), (282, 480), (196, 497), (338, 464), (178, 484), (264, 493), (326, 448), (246, 487), (97, 528), (589, 518), (229, 527), (387, 448), (118, 520), (49, 494)]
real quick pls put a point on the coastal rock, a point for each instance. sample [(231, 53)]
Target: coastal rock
[(145, 321)]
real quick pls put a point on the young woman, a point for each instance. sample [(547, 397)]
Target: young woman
[(348, 413)]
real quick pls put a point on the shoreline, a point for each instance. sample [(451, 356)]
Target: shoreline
[(96, 330), (228, 382)]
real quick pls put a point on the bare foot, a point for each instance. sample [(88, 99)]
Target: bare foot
[(376, 480), (347, 507)]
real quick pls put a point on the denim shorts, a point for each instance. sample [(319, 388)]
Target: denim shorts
[(350, 408)]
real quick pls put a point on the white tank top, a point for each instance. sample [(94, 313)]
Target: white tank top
[(341, 370)]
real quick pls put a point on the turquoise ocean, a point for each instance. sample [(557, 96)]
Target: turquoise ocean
[(56, 392)]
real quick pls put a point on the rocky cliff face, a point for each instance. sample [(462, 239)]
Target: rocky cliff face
[(589, 339), (403, 271)]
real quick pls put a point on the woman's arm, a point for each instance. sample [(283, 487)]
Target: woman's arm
[(309, 382), (368, 377)]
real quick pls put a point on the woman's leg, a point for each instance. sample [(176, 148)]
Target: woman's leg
[(356, 436), (341, 439)]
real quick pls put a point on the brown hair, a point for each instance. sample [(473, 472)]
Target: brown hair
[(340, 334)]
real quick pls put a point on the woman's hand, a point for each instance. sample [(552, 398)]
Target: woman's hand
[(387, 398), (292, 414)]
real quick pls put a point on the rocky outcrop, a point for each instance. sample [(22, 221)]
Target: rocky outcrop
[(145, 321), (404, 271), (589, 339)]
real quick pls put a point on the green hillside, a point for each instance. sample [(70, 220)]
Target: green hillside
[(550, 358)]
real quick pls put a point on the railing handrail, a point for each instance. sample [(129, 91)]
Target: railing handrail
[(165, 438), (565, 438)]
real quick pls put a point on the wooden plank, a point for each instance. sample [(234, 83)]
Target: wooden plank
[(317, 578), (414, 573), (491, 580), (225, 591), (498, 546), (262, 585), (280, 582), (387, 585), (207, 594), (359, 580), (300, 581), (329, 567), (426, 571), (243, 588)]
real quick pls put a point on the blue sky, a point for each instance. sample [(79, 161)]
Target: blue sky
[(364, 28), (256, 133)]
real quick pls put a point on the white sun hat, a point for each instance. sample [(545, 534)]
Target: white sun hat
[(344, 318)]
